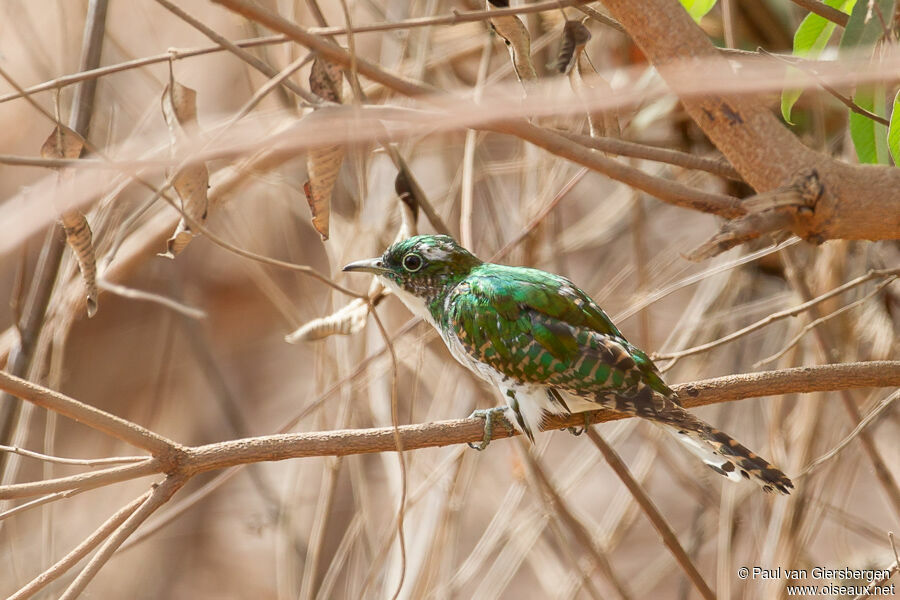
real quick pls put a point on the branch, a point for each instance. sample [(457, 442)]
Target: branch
[(80, 551), (685, 160), (193, 460), (858, 202), (823, 10), (444, 433), (454, 18), (659, 522), (183, 463)]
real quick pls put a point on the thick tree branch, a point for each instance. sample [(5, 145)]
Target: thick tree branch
[(859, 201)]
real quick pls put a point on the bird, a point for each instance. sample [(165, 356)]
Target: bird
[(548, 348)]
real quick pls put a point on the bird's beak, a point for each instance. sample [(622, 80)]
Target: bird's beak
[(370, 265)]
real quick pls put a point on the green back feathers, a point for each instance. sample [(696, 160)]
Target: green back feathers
[(537, 327)]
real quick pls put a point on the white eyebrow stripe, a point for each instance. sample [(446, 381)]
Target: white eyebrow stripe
[(434, 253)]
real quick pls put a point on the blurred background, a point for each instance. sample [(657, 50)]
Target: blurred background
[(477, 525)]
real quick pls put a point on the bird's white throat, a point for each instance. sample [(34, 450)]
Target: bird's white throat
[(415, 304)]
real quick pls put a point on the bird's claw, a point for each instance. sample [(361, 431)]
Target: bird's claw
[(488, 415), (587, 423)]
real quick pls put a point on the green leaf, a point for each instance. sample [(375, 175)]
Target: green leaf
[(810, 39), (859, 32), (893, 138), (698, 8), (870, 138)]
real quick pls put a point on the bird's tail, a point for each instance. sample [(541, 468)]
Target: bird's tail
[(722, 452)]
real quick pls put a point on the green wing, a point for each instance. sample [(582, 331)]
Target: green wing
[(536, 327)]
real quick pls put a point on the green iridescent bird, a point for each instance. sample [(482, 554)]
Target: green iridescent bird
[(547, 346)]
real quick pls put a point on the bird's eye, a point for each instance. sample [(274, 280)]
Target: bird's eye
[(412, 262)]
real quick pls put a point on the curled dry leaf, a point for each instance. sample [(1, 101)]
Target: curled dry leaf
[(80, 239), (513, 31), (575, 36), (66, 143), (323, 164), (346, 321), (179, 108), (584, 79), (352, 317)]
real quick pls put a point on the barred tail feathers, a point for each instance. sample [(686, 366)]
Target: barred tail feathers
[(725, 455)]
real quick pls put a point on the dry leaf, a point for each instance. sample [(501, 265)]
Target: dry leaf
[(322, 165), (352, 317), (584, 79), (66, 143), (326, 80), (62, 143), (80, 239), (179, 108), (346, 321), (513, 30), (575, 36)]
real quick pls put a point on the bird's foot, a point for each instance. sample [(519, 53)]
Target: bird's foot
[(587, 423), (488, 414)]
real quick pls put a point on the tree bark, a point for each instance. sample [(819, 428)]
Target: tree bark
[(857, 202)]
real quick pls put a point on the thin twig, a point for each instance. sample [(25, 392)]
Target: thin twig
[(816, 322), (159, 496), (697, 277), (60, 567), (892, 570), (557, 504), (398, 446), (791, 312), (454, 18), (716, 166), (823, 10), (258, 64), (87, 462), (863, 424), (809, 70), (827, 346), (672, 192), (653, 514), (82, 481), (133, 294), (39, 502)]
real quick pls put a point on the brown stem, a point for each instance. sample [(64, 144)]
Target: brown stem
[(823, 10), (54, 244), (659, 522)]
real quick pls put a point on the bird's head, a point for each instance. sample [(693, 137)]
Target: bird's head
[(425, 266)]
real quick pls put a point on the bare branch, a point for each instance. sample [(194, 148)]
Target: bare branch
[(159, 496), (87, 462), (61, 566), (82, 481), (776, 316), (863, 424), (659, 522), (823, 10), (109, 424)]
